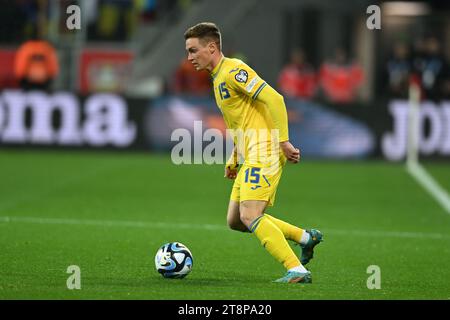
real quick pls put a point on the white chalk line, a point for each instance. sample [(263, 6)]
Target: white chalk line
[(208, 227), (429, 184)]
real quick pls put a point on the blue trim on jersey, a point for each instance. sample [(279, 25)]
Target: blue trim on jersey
[(218, 70), (259, 90)]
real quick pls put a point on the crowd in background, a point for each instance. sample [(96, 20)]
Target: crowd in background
[(337, 80), (107, 20), (116, 20), (424, 61)]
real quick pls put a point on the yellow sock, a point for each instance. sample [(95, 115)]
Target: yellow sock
[(290, 231), (274, 242)]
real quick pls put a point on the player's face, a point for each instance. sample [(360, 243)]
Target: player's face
[(198, 54)]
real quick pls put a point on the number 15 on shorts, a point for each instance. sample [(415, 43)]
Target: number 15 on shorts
[(254, 174)]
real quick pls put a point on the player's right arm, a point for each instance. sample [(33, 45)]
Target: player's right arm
[(231, 166)]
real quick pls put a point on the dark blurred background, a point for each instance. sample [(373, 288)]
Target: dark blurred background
[(339, 77)]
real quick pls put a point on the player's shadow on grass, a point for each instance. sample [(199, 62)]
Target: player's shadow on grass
[(222, 281), (228, 279)]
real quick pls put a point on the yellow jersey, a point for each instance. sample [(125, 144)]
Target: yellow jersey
[(236, 90)]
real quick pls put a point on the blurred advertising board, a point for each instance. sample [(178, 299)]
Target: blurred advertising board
[(319, 132), (433, 130), (64, 119), (112, 121)]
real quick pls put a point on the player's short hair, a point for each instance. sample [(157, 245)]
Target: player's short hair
[(206, 32)]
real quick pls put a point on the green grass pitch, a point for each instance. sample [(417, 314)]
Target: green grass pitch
[(108, 213)]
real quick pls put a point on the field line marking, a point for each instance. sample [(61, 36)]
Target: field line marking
[(431, 185), (110, 223), (392, 234), (210, 227)]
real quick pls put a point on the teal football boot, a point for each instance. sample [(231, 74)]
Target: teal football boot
[(315, 237), (295, 277)]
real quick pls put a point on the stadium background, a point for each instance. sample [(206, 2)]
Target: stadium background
[(86, 176)]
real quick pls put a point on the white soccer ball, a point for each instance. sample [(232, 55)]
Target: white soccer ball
[(174, 260)]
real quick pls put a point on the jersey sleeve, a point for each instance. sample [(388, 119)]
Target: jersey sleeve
[(277, 108), (245, 80)]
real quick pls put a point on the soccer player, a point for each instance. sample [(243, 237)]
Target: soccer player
[(251, 106)]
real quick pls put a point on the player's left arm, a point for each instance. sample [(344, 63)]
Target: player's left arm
[(277, 108), (245, 80)]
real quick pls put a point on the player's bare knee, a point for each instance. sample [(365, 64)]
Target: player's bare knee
[(249, 211), (247, 217)]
